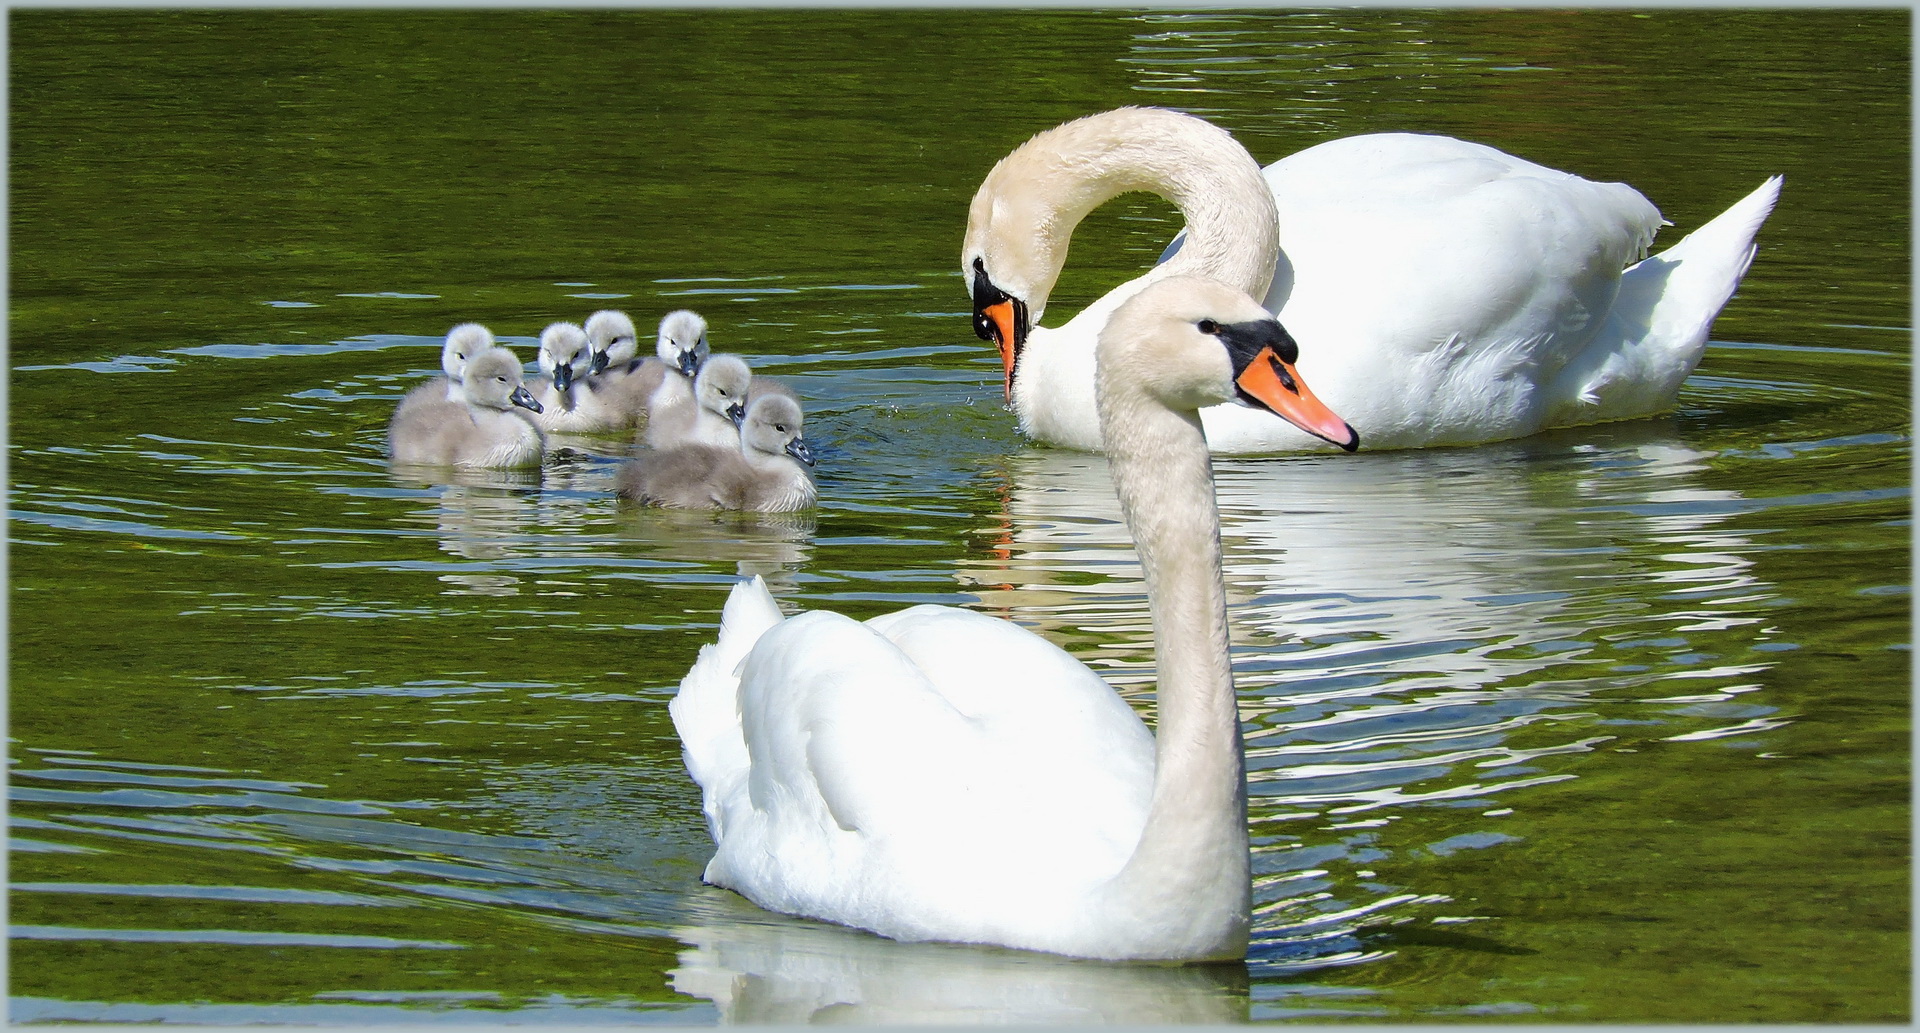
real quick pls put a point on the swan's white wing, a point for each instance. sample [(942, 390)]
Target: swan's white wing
[(933, 773), (1432, 268)]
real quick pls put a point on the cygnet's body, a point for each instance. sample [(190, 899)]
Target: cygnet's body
[(720, 399), (626, 388), (463, 344), (487, 429), (768, 473), (566, 405)]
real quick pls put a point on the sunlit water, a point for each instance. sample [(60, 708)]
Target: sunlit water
[(1608, 724)]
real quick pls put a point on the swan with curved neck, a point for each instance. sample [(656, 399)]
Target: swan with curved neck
[(938, 774), (1446, 292)]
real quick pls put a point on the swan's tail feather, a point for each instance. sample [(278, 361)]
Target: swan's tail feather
[(1680, 290), (706, 710), (1656, 331)]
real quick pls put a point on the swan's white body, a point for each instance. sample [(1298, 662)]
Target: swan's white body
[(936, 774), (1442, 292)]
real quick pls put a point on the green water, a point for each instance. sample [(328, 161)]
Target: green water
[(1605, 725)]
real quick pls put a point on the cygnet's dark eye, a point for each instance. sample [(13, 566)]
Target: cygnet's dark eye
[(1209, 327)]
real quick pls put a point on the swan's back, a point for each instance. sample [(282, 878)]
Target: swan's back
[(1532, 265)]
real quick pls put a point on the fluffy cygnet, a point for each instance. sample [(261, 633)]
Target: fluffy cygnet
[(566, 405), (720, 401), (485, 430), (768, 473), (628, 389), (464, 342)]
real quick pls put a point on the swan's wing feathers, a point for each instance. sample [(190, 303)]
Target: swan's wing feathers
[(840, 723)]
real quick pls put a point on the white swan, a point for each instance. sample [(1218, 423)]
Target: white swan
[(463, 343), (719, 403), (937, 774), (1445, 292), (483, 431), (766, 474)]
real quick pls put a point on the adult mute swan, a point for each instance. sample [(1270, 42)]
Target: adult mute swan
[(1445, 292), (938, 774)]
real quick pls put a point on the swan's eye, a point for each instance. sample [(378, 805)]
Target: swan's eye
[(1209, 327)]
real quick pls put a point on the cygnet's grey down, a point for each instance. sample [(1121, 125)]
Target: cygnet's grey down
[(768, 473), (627, 388), (565, 403), (487, 429), (720, 397), (463, 343)]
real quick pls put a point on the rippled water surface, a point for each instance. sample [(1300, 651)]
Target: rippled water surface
[(1604, 725)]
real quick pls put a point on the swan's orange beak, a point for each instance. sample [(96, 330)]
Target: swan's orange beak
[(999, 317), (1270, 382)]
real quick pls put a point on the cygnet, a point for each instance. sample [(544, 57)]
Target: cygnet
[(566, 405), (720, 397), (627, 389), (463, 343), (768, 473), (485, 430)]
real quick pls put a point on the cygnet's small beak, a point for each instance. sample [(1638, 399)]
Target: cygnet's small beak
[(737, 412), (798, 449), (598, 363), (689, 362), (524, 399), (562, 378)]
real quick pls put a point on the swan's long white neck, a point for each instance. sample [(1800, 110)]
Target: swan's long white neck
[(1036, 196), (1189, 876)]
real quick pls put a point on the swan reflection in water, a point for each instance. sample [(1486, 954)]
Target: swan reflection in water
[(533, 531), (1409, 628), (758, 967)]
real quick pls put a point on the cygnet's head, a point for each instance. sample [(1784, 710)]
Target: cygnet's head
[(564, 354), (493, 382), (464, 342), (773, 424), (1189, 342), (721, 386), (683, 341), (613, 339)]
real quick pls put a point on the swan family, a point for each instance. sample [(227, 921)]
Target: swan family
[(717, 436), (939, 774)]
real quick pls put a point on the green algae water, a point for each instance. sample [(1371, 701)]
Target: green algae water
[(1606, 725)]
